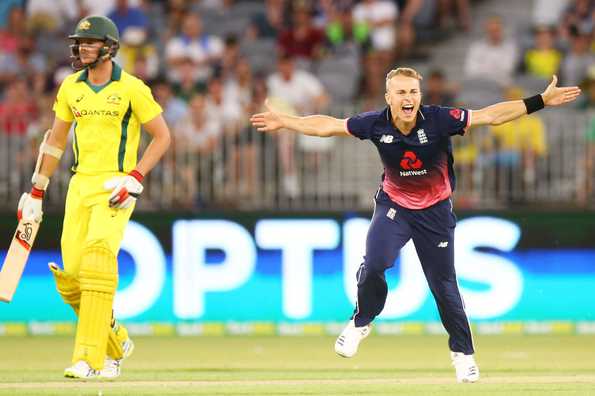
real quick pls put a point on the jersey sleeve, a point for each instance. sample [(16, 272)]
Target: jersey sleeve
[(362, 124), (454, 121), (144, 106), (61, 107)]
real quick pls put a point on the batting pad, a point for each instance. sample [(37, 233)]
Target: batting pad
[(98, 282), (70, 290)]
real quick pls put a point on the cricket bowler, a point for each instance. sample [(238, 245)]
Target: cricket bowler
[(106, 107), (413, 200)]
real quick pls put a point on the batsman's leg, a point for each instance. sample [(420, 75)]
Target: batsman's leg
[(119, 345), (98, 279)]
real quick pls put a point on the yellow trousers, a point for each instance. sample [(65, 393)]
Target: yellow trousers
[(91, 238), (89, 219)]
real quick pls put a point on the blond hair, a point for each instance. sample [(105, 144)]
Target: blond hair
[(402, 71)]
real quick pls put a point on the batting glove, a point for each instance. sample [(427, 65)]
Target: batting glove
[(30, 204), (125, 189)]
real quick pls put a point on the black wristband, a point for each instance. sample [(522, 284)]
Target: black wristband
[(534, 103)]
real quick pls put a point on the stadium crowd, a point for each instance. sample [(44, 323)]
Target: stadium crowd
[(211, 63)]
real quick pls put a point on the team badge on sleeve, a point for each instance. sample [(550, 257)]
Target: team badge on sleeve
[(457, 114)]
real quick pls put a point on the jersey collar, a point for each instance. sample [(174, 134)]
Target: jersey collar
[(116, 73), (418, 120)]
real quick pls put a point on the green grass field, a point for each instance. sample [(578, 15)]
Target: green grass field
[(251, 365)]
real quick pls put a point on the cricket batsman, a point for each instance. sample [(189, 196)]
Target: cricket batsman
[(105, 107)]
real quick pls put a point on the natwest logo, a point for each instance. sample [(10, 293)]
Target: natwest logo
[(410, 161)]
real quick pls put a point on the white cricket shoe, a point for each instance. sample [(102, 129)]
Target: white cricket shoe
[(465, 367), (349, 339), (81, 370), (112, 368)]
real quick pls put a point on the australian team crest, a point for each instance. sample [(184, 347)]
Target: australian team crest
[(85, 25), (114, 99)]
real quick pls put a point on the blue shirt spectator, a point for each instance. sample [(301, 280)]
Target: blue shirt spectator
[(125, 16), (5, 7)]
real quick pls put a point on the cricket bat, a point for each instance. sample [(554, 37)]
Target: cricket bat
[(16, 258)]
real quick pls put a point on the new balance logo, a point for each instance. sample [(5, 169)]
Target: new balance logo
[(386, 139), (443, 244)]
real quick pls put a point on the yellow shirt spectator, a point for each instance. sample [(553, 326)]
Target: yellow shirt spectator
[(520, 135), (543, 63)]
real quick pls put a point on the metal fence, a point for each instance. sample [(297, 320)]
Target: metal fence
[(247, 170)]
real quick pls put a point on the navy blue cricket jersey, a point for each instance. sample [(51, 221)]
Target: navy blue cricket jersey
[(418, 168)]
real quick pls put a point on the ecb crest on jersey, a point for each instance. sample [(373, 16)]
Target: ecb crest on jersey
[(421, 135)]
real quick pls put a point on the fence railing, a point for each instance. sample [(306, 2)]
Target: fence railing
[(248, 170)]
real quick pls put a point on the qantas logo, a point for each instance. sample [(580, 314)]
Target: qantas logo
[(93, 112)]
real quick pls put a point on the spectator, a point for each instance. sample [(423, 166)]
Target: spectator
[(587, 101), (13, 32), (52, 15), (202, 48), (238, 84), (580, 14), (543, 60), (25, 62), (175, 11), (227, 110), (18, 109), (5, 7), (188, 84), (492, 58), (303, 92), (127, 17), (406, 35), (230, 56), (103, 7), (174, 109), (18, 112), (243, 166), (138, 55), (445, 10), (437, 90), (381, 18), (577, 62), (344, 35), (586, 190), (548, 12), (302, 40), (268, 24), (518, 146), (195, 137)]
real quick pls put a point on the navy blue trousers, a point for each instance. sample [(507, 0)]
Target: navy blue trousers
[(432, 231)]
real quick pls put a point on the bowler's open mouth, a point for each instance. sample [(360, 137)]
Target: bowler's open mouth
[(407, 109)]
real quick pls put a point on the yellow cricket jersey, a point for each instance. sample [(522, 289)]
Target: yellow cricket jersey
[(107, 119)]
